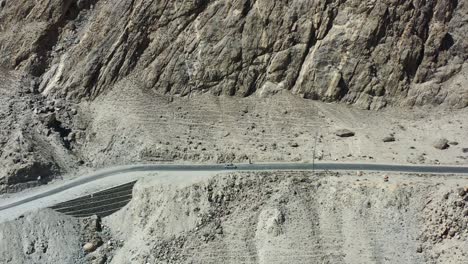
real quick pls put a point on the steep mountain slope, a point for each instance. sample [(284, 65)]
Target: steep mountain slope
[(370, 53)]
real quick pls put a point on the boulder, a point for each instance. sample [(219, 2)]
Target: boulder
[(441, 144), (89, 247), (388, 139), (419, 249), (344, 133), (461, 191), (294, 144)]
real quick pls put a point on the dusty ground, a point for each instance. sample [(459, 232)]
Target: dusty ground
[(296, 218), (131, 125), (42, 237), (277, 217)]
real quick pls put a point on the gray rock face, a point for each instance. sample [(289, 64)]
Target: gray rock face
[(369, 53)]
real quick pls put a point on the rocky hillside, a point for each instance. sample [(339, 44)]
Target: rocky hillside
[(369, 53), (288, 217), (295, 217)]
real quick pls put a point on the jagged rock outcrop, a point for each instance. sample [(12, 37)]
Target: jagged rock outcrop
[(36, 135), (369, 53)]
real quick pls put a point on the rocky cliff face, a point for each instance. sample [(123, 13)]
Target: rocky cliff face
[(369, 53)]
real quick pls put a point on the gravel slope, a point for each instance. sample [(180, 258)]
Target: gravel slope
[(296, 218), (41, 237), (266, 217)]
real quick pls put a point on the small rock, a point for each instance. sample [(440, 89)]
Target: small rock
[(446, 196), (461, 191), (453, 143), (95, 223), (452, 233), (388, 139), (344, 133), (30, 249), (89, 247), (385, 178), (419, 249), (81, 4), (100, 260), (465, 150), (294, 144), (50, 120), (441, 144), (73, 111)]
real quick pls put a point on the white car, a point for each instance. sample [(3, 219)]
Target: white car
[(230, 166)]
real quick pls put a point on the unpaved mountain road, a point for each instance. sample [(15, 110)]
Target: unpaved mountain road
[(423, 169)]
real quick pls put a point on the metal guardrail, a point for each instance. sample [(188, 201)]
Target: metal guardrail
[(102, 203)]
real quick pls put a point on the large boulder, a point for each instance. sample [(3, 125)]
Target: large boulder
[(344, 133), (390, 138), (441, 144)]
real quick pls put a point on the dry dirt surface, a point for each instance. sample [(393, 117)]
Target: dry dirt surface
[(297, 218), (268, 217), (41, 237), (280, 127)]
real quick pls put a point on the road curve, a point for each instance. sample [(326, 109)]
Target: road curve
[(248, 167)]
